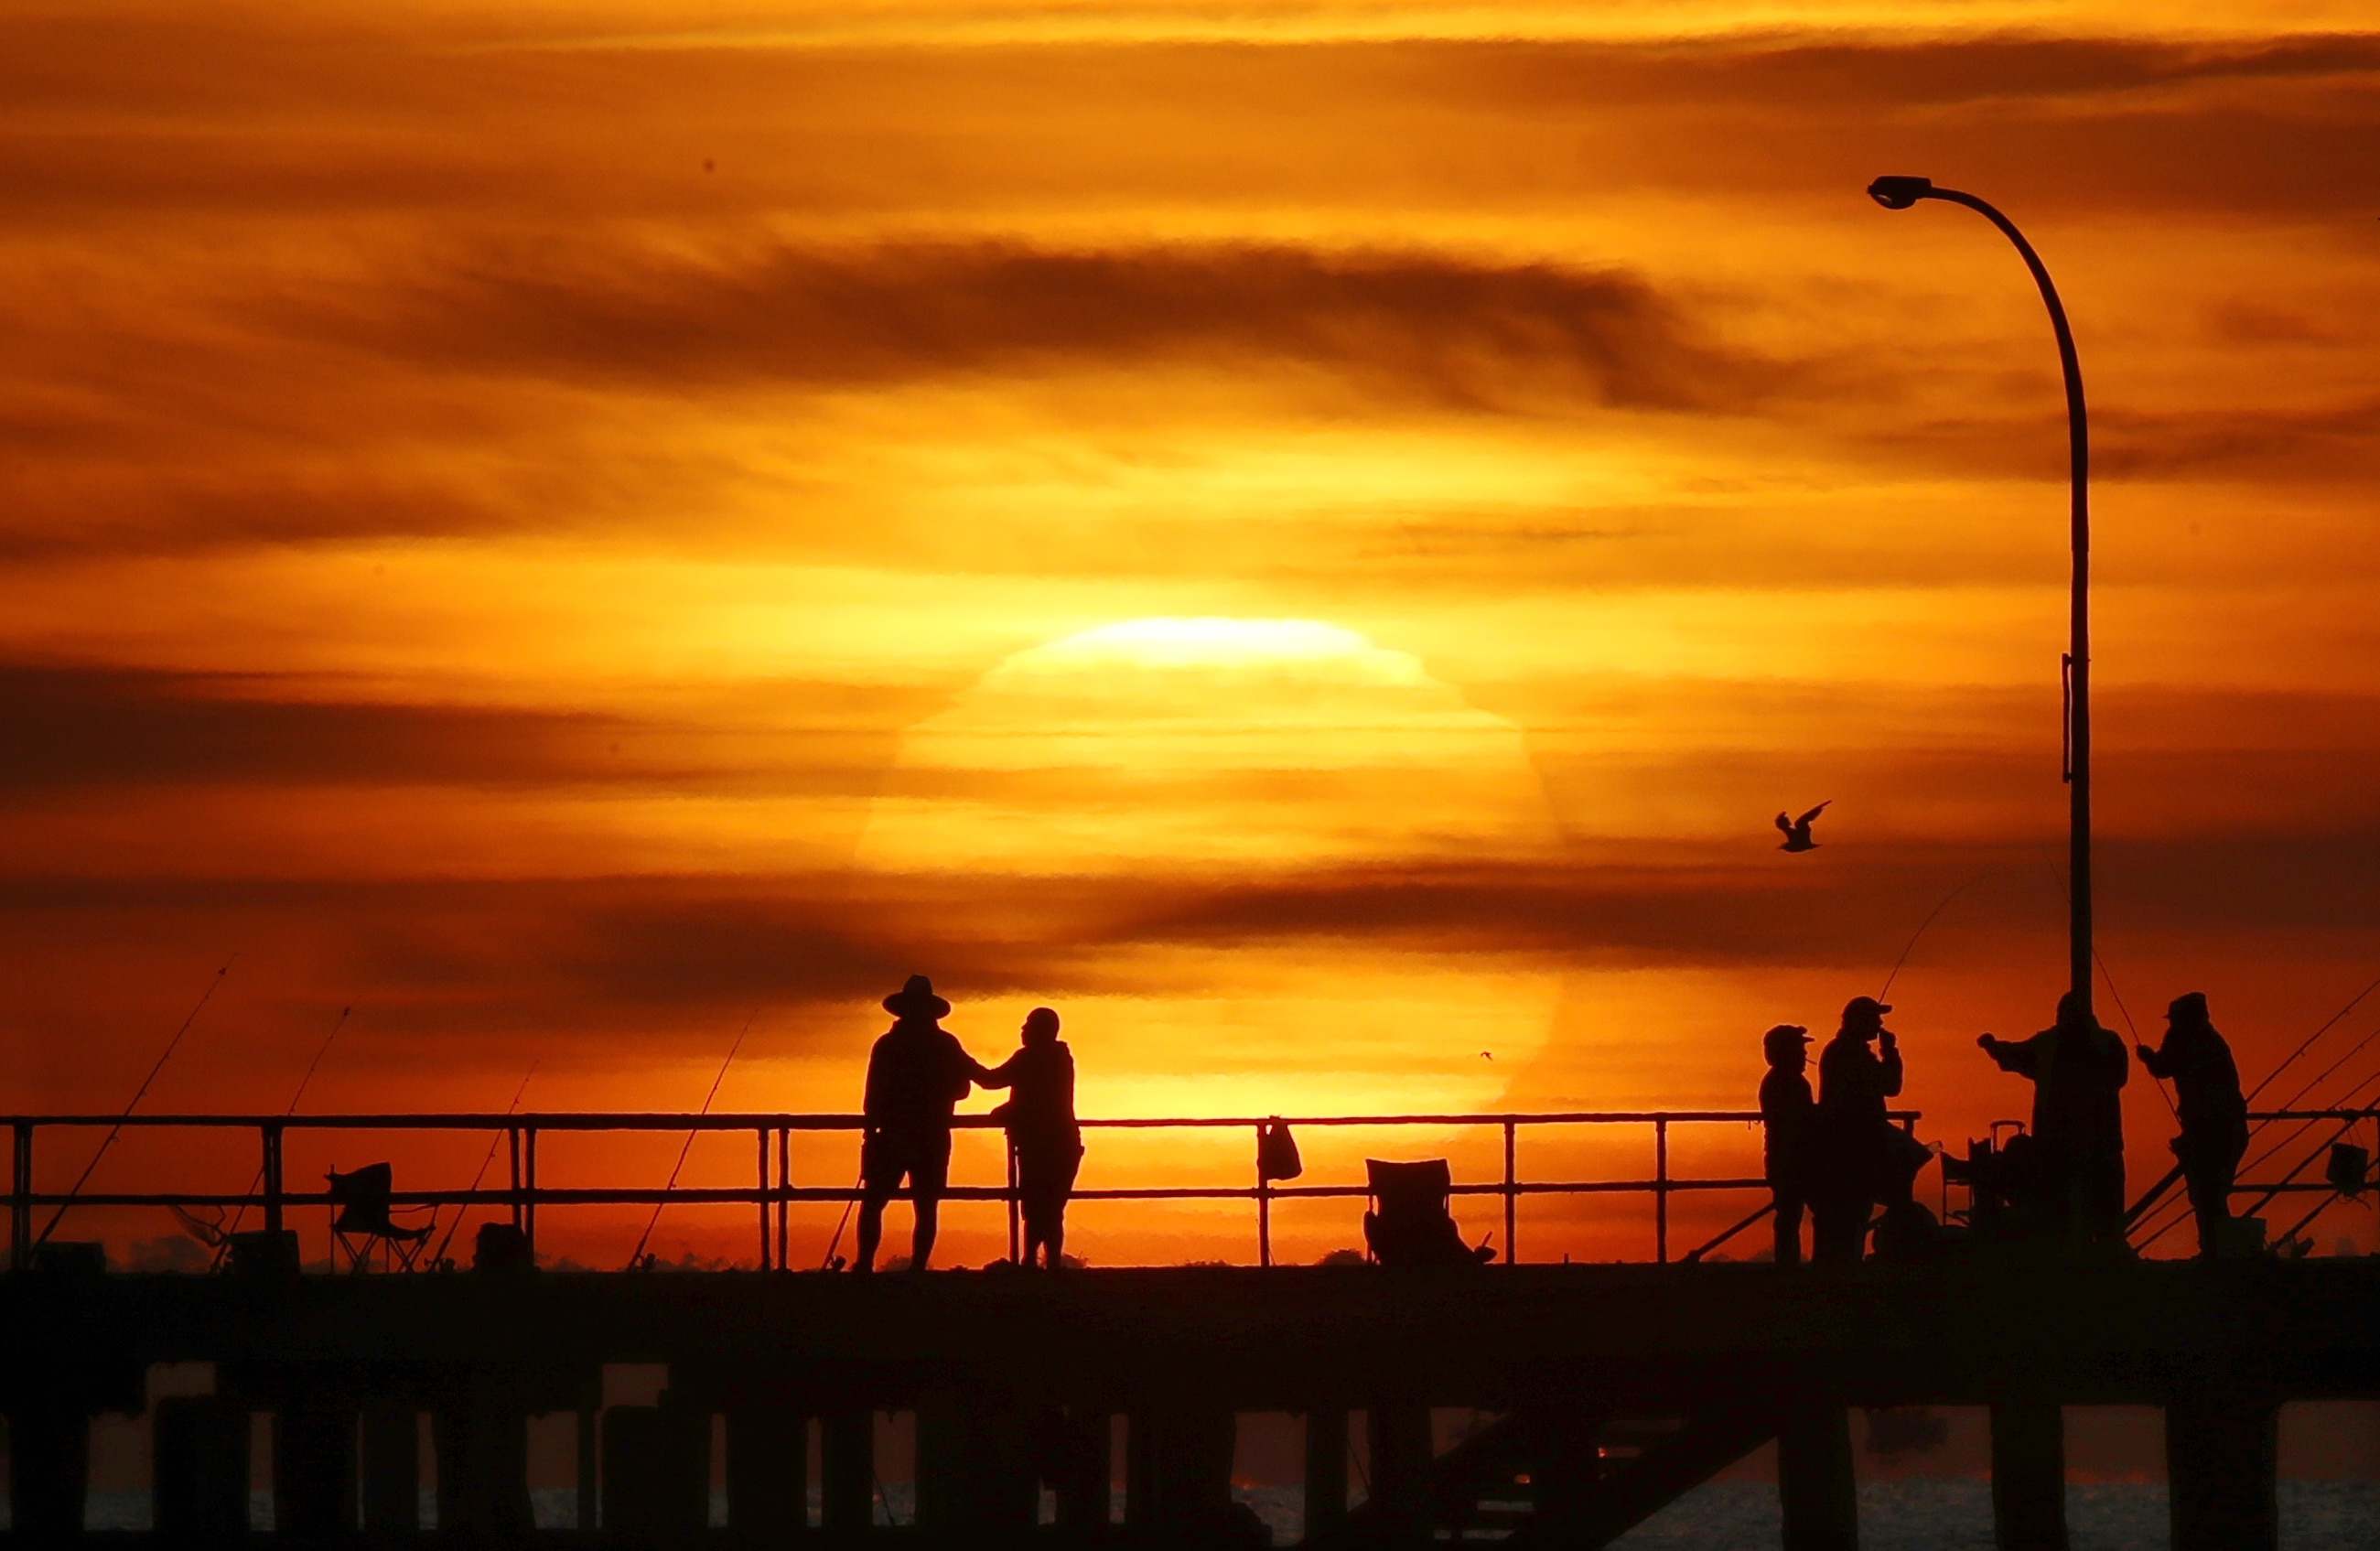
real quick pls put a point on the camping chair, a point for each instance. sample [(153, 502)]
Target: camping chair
[(361, 1197), (1410, 1222)]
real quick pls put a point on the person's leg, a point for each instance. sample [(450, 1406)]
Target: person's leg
[(921, 1238), (930, 1175), (1789, 1211), (871, 1231)]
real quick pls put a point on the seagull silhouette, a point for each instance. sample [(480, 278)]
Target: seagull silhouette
[(1797, 831)]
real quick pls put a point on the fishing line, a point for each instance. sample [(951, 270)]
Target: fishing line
[(2312, 1037), (324, 1049), (2108, 975), (638, 1252), (1911, 946), (213, 987), (494, 1143)]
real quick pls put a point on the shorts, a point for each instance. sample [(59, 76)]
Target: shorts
[(922, 1156)]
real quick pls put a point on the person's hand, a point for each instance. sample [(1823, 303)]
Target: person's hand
[(1890, 1041), (2145, 1053), (1984, 1042)]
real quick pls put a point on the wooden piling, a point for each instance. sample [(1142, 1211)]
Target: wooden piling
[(1398, 1435), (199, 1470), (2029, 1475), (1814, 1486), (847, 1472), (2222, 1470), (767, 1471), (49, 1472), (314, 1469), (391, 1469), (1084, 1467), (1326, 1470)]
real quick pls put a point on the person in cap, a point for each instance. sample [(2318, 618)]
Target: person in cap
[(1788, 1120), (2078, 1070), (916, 1075), (1042, 1132), (2214, 1111), (1854, 1083)]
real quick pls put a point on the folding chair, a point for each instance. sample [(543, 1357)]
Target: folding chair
[(361, 1197), (1411, 1221)]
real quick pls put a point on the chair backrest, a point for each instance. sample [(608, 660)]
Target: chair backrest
[(361, 1197), (1404, 1190)]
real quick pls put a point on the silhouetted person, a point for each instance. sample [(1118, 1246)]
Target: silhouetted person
[(2078, 1070), (916, 1075), (1039, 1115), (1853, 1085), (1790, 1119), (2213, 1113)]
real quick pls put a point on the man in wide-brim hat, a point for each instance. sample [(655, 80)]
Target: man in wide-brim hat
[(916, 1075)]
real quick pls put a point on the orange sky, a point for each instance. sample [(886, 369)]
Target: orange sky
[(1312, 538)]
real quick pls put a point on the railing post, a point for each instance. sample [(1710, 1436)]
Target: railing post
[(528, 1192), (1661, 1191), (1512, 1197), (20, 1197), (272, 1177), (762, 1136), (1015, 1228), (1264, 1204), (785, 1195), (512, 1147)]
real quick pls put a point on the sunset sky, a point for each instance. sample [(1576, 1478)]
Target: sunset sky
[(1312, 538)]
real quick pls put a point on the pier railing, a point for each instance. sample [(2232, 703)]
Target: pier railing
[(773, 1190)]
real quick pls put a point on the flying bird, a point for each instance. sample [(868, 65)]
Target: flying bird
[(1797, 831)]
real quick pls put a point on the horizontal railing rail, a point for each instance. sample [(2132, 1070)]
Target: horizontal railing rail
[(774, 1190)]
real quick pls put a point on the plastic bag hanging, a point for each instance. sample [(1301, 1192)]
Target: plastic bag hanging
[(1277, 1152)]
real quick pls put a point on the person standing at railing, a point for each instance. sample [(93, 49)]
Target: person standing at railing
[(916, 1075), (2213, 1113), (1042, 1131), (1853, 1085), (1789, 1119), (2079, 1069)]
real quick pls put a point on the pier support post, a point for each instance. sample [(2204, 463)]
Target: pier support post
[(768, 1470), (1326, 1471), (49, 1473), (199, 1470), (392, 1469), (656, 1471), (2029, 1475), (314, 1469), (975, 1469), (1814, 1480), (2221, 1469), (846, 1472), (1178, 1470), (482, 1468), (1565, 1460), (1398, 1435), (1085, 1465)]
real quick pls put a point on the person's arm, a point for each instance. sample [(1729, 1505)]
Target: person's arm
[(1889, 1079), (2013, 1055), (2159, 1063), (1000, 1076)]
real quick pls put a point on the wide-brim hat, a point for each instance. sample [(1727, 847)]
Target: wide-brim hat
[(916, 1000)]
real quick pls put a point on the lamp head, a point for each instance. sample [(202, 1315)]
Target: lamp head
[(1900, 193)]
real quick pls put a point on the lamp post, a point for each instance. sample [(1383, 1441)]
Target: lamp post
[(1900, 193)]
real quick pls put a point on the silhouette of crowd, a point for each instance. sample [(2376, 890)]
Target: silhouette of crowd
[(1837, 1155)]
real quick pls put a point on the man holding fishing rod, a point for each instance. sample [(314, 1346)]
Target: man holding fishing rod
[(2213, 1113)]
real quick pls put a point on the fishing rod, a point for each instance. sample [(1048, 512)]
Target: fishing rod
[(494, 1143), (212, 986), (2317, 1034), (319, 1051), (638, 1252), (1911, 945)]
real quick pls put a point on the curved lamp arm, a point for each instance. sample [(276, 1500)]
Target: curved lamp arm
[(1900, 193)]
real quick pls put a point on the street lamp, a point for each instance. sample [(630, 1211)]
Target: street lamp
[(1900, 193)]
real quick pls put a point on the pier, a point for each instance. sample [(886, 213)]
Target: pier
[(1612, 1388)]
